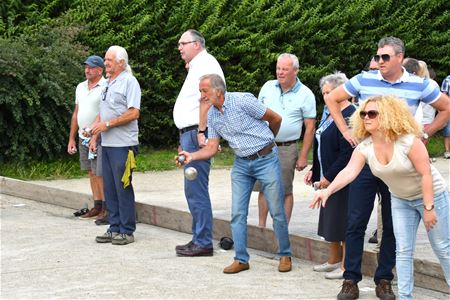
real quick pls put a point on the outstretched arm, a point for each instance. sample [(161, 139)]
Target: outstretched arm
[(344, 177)]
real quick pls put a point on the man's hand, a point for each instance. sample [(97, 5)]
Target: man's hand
[(301, 164), (98, 127), (201, 139), (187, 158), (71, 147), (350, 138), (93, 144)]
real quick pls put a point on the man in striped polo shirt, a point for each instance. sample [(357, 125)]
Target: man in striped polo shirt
[(390, 79)]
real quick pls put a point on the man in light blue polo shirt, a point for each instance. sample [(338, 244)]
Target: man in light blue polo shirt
[(119, 112), (249, 128), (296, 104), (390, 79)]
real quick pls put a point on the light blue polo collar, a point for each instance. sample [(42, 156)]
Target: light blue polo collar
[(294, 89)]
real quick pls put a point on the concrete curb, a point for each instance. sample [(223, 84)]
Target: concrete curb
[(427, 274)]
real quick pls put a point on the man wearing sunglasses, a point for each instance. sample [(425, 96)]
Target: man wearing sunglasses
[(390, 79)]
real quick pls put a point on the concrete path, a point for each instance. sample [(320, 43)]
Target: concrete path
[(46, 253), (160, 201)]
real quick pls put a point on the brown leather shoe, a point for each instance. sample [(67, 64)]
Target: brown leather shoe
[(195, 250), (236, 267), (184, 247), (285, 264), (102, 218), (384, 290), (91, 214)]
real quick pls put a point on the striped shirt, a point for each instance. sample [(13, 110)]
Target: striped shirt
[(240, 124), (411, 88), (445, 88)]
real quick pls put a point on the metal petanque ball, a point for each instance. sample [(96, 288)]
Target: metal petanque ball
[(190, 173), (181, 159)]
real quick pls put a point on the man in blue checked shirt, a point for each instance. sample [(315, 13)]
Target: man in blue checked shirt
[(249, 127)]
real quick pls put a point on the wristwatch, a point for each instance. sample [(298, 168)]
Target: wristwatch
[(428, 208), (425, 136), (107, 124), (202, 131)]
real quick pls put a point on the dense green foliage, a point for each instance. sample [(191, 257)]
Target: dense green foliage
[(245, 36)]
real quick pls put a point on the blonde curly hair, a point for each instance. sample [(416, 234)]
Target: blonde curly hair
[(394, 117)]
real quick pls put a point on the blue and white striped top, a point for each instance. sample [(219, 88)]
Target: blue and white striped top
[(411, 88), (240, 124)]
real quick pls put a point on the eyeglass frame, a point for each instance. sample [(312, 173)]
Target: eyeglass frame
[(385, 57), (182, 44), (372, 114)]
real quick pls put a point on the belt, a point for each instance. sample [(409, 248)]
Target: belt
[(189, 128), (261, 153), (288, 143)]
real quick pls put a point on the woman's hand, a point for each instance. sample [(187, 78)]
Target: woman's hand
[(429, 219), (319, 198), (308, 178)]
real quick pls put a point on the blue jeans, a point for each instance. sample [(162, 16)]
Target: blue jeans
[(243, 176), (119, 201), (406, 216), (361, 197), (197, 194)]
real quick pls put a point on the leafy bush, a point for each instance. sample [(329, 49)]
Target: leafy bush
[(245, 36), (37, 89)]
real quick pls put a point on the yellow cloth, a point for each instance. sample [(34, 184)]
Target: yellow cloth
[(130, 165)]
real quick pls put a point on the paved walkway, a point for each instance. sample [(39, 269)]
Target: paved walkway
[(30, 243), (166, 189), (46, 253)]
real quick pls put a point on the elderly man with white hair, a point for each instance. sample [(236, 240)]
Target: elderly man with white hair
[(118, 125)]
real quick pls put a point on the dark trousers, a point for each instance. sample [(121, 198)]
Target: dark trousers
[(119, 201), (197, 194), (362, 193)]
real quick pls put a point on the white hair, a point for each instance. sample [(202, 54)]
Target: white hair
[(293, 58), (121, 54)]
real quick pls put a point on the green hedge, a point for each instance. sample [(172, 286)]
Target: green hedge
[(245, 36)]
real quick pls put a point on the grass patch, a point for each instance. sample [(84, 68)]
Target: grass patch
[(66, 168), (148, 160)]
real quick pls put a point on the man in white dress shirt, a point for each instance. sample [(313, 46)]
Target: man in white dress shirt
[(190, 118)]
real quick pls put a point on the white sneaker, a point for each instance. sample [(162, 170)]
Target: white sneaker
[(336, 274), (326, 267), (447, 154)]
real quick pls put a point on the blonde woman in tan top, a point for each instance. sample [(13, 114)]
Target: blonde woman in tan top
[(391, 146)]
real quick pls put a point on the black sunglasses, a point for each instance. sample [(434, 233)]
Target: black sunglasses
[(104, 93), (385, 57), (372, 114)]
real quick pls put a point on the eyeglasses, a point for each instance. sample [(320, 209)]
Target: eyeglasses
[(182, 44), (372, 114), (385, 57), (104, 93)]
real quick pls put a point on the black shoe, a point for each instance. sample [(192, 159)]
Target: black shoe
[(349, 291), (195, 250), (102, 221), (184, 247), (373, 239), (81, 212), (384, 290)]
